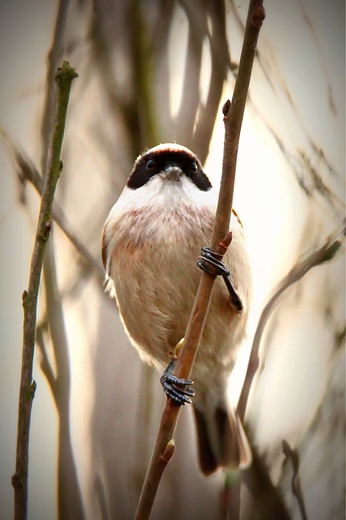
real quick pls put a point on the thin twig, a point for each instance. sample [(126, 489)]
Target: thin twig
[(69, 497), (233, 115), (267, 498), (293, 456), (27, 171), (64, 77), (45, 364), (220, 64), (190, 100), (63, 222), (323, 254), (54, 57)]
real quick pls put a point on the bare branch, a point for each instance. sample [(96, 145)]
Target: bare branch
[(64, 77), (55, 56), (191, 94), (325, 253), (268, 500), (233, 115), (293, 456), (45, 364), (27, 171), (220, 64), (70, 502)]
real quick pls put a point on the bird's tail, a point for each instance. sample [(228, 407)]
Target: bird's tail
[(222, 442)]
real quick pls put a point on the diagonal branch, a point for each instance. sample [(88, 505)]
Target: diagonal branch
[(233, 116), (323, 254), (27, 171), (63, 77)]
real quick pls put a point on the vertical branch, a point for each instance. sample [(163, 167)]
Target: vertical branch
[(267, 498), (191, 95), (54, 57), (142, 70), (69, 499), (63, 78), (220, 64), (233, 115), (293, 456)]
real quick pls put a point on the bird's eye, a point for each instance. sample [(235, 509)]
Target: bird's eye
[(150, 164), (194, 167)]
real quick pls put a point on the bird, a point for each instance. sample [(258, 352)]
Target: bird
[(151, 240)]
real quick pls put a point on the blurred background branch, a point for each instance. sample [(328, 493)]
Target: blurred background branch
[(325, 253)]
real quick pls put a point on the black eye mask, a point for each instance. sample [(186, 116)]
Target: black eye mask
[(153, 162)]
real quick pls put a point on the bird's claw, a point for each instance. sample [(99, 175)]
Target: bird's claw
[(174, 387), (209, 257)]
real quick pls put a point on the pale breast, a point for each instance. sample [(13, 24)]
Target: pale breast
[(155, 278)]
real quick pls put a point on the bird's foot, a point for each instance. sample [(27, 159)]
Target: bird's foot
[(175, 387), (211, 258)]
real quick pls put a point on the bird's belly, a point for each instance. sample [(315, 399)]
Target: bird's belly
[(155, 290), (155, 278), (156, 299)]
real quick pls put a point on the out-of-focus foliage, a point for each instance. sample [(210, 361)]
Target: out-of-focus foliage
[(156, 71)]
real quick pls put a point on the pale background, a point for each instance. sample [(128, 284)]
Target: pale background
[(290, 195)]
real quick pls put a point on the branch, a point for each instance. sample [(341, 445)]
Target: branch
[(233, 115), (63, 78), (325, 253), (190, 99), (45, 363), (54, 57), (220, 65), (69, 499), (293, 456), (267, 498), (27, 171)]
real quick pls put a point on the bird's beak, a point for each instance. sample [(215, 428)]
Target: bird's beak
[(172, 173)]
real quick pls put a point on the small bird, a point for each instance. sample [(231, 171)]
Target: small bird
[(151, 241)]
